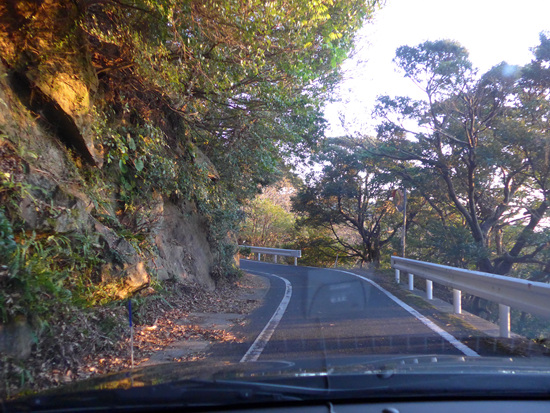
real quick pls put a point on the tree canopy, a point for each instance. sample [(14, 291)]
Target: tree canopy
[(240, 81), (350, 197), (483, 139)]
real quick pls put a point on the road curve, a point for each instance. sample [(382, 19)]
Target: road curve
[(331, 314)]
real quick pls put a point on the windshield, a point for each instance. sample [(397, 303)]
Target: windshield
[(234, 202)]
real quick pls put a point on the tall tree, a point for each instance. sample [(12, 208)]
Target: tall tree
[(351, 198), (469, 134)]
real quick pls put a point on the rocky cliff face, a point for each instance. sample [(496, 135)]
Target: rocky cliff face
[(56, 198), (69, 211)]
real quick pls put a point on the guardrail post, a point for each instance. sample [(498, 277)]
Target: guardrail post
[(295, 261), (457, 301), (504, 320), (411, 282), (397, 276), (429, 290), (259, 256), (524, 295), (275, 259)]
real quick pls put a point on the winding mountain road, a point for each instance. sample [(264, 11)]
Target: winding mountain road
[(314, 316)]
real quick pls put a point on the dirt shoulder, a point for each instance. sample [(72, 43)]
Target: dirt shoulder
[(207, 326), (183, 325), (175, 325)]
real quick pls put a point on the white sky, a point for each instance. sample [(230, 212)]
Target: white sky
[(492, 30)]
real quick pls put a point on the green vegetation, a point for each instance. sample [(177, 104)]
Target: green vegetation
[(113, 111), (472, 155), (212, 96), (267, 224), (198, 104), (476, 153), (350, 200), (133, 134)]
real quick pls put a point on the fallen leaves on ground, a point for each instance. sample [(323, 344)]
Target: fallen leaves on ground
[(80, 344)]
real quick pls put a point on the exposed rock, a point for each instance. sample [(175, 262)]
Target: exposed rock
[(130, 264), (184, 250), (49, 206), (136, 276), (54, 195), (48, 90), (107, 273), (29, 212), (156, 206), (51, 115), (73, 210), (125, 252), (59, 91)]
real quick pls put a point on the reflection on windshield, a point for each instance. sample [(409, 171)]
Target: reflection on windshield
[(327, 297)]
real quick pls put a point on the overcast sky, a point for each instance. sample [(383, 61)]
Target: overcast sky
[(492, 30)]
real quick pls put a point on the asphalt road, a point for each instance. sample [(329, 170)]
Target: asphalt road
[(317, 315)]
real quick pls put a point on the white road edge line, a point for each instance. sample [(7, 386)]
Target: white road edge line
[(261, 341), (430, 324)]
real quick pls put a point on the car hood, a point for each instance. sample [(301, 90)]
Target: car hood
[(207, 384), (282, 370)]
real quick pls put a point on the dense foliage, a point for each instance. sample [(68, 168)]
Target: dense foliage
[(115, 109), (474, 149), (472, 155), (237, 81), (350, 198), (199, 101), (269, 221)]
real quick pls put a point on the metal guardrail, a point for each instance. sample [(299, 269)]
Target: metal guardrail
[(275, 252), (529, 296)]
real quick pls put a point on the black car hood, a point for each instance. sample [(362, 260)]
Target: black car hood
[(208, 384), (283, 370)]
